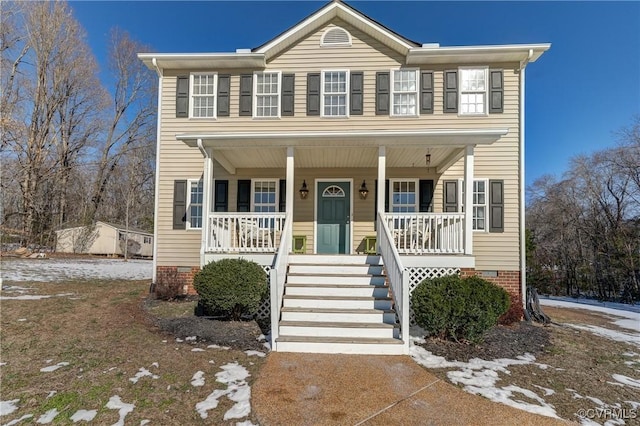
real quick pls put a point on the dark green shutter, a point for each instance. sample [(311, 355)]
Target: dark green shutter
[(356, 99), (182, 96), (288, 94), (313, 94), (496, 92), (426, 195), (426, 92), (496, 206), (244, 196), (179, 204), (246, 94), (224, 87), (221, 196), (283, 195), (382, 93), (450, 196), (450, 91)]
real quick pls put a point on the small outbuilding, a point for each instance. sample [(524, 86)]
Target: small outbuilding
[(105, 239)]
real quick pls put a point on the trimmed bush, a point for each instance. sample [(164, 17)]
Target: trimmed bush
[(231, 287), (457, 308)]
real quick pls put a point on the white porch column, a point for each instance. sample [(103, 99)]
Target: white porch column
[(468, 200), (382, 166), (207, 177), (290, 193)]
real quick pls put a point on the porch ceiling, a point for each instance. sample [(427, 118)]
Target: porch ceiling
[(341, 148)]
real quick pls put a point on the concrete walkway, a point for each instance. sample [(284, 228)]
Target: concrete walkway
[(316, 389)]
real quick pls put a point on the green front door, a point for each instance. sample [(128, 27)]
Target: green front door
[(334, 205)]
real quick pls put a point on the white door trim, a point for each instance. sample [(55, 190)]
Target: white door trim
[(315, 211)]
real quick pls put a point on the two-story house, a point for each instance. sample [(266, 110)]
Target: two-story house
[(350, 162)]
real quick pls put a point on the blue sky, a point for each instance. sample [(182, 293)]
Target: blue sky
[(586, 87)]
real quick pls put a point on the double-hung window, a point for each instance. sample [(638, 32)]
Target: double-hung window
[(265, 199), (194, 207), (334, 93), (403, 199), (404, 92), (473, 91), (480, 199), (267, 90), (203, 95)]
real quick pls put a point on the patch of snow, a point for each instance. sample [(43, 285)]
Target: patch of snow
[(190, 338), (197, 350), (245, 423), (634, 405), (8, 407), (179, 340), (144, 422), (480, 377), (51, 368), (211, 361), (238, 391), (143, 372), (84, 415), (597, 401), (50, 270), (22, 319), (48, 361), (16, 421), (164, 341), (261, 337), (255, 353), (115, 403), (615, 384), (542, 366), (630, 354), (34, 297), (155, 364), (547, 391), (2, 363), (224, 348), (198, 379), (586, 422), (48, 416), (575, 393), (15, 288), (626, 380), (51, 393), (591, 304), (618, 336)]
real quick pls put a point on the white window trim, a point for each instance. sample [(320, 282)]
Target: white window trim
[(390, 195), (322, 94), (215, 95), (393, 92), (255, 95), (277, 186), (188, 206), (323, 44), (485, 205), (486, 92)]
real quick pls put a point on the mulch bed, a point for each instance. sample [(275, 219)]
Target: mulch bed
[(500, 342)]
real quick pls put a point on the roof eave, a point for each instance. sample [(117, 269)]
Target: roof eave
[(203, 60), (476, 54)]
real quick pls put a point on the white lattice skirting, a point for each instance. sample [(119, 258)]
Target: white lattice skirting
[(264, 311)]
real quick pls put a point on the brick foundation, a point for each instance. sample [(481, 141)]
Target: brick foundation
[(180, 276), (509, 280)]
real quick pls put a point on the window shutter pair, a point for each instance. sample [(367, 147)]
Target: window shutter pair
[(496, 91), (425, 196), (182, 96), (496, 202), (383, 92), (356, 95)]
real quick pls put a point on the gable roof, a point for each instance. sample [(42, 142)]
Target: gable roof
[(341, 10)]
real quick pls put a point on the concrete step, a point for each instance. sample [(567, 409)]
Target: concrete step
[(336, 259), (335, 279), (341, 345), (338, 315), (338, 329), (337, 302), (366, 290), (334, 269)]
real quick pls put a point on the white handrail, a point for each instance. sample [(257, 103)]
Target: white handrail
[(398, 277), (245, 232), (277, 278), (425, 233)]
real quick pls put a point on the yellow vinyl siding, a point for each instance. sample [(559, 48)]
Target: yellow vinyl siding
[(493, 251)]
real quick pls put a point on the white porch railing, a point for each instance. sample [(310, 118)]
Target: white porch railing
[(422, 233), (277, 278), (245, 232), (398, 278)]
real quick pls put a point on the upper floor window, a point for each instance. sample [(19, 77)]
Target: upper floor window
[(473, 91), (334, 93), (267, 90), (194, 207), (404, 92), (203, 95)]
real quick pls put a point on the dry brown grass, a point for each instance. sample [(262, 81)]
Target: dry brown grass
[(106, 337)]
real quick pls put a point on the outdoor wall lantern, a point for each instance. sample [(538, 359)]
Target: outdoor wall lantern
[(363, 191), (428, 159), (304, 191)]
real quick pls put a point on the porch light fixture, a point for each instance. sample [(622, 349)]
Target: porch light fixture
[(304, 191), (363, 191), (427, 159)]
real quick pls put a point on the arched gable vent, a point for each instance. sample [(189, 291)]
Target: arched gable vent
[(335, 36)]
